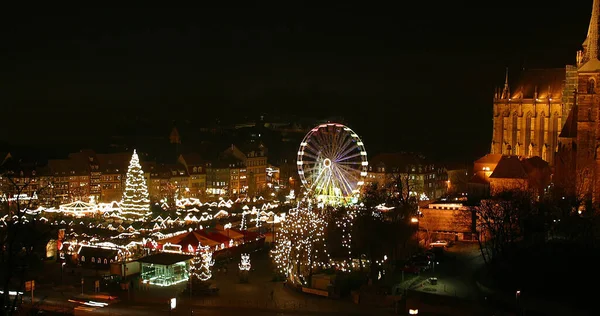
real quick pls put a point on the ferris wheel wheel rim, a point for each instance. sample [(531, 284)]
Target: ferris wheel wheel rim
[(360, 171)]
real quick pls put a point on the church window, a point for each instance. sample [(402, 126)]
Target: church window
[(545, 152), (543, 128), (514, 128), (555, 131), (591, 86), (528, 129)]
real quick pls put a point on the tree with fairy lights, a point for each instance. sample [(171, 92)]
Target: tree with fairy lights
[(300, 246), (135, 202), (258, 222), (244, 223), (201, 264)]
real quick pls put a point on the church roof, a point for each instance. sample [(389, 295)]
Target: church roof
[(478, 179), (569, 130), (193, 159), (547, 82), (509, 167), (489, 158), (591, 65)]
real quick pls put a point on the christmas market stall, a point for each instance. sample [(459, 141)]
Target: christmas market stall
[(165, 268)]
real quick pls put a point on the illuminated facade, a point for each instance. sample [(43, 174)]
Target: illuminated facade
[(196, 168), (527, 120), (254, 158), (112, 181), (424, 178), (579, 159)]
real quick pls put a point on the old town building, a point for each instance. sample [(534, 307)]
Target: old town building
[(196, 168), (495, 173), (254, 158), (424, 178)]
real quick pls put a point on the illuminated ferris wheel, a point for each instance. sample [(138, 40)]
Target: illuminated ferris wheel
[(332, 163)]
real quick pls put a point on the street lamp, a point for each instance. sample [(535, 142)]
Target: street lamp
[(413, 312)]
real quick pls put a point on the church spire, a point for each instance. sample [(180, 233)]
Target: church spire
[(505, 91), (590, 45)]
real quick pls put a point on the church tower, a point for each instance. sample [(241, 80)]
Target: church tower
[(175, 140), (587, 113)]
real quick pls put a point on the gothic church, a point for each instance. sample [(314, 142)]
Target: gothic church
[(554, 114)]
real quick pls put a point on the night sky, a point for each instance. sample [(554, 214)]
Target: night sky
[(406, 77)]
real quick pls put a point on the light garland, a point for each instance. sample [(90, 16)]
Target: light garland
[(245, 262), (135, 197)]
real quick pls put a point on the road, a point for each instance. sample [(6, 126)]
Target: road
[(456, 272), (251, 298), (456, 275)]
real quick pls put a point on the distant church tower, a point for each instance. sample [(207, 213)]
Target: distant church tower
[(175, 140)]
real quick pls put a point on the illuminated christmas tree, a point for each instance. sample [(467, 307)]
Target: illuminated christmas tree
[(135, 200), (300, 245)]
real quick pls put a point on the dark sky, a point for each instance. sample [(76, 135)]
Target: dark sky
[(407, 77)]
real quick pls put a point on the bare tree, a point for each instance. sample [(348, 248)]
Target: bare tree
[(378, 233), (19, 235), (501, 223)]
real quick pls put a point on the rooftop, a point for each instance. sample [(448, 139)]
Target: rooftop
[(165, 258)]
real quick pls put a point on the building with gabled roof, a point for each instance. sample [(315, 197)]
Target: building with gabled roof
[(495, 173), (424, 177), (114, 170), (254, 158), (196, 168)]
